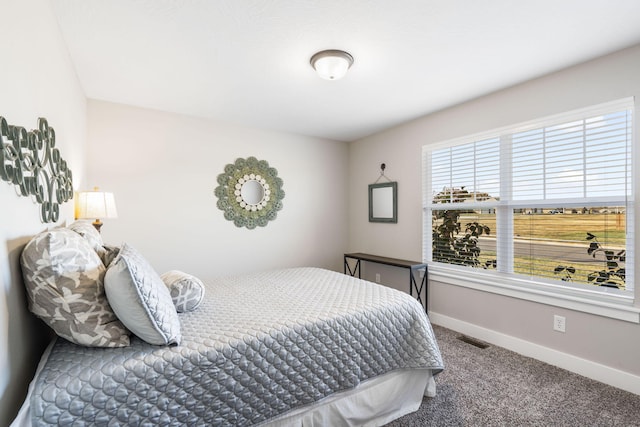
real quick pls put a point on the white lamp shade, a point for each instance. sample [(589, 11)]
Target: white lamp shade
[(331, 64), (95, 205)]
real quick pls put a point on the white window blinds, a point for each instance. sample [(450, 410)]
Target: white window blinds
[(466, 173), (577, 161), (576, 165)]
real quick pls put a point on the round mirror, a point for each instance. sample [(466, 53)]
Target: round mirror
[(252, 192)]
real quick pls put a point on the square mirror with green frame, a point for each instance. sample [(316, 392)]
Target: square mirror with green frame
[(383, 202)]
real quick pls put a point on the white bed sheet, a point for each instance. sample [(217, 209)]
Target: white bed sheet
[(375, 402)]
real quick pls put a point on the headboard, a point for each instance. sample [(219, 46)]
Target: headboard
[(27, 336)]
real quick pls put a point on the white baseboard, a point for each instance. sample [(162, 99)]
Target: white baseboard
[(596, 371)]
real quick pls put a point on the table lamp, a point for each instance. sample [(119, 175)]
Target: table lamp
[(95, 205)]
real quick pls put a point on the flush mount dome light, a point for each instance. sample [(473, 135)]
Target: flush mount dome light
[(331, 64)]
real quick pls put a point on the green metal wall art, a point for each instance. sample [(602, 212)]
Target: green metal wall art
[(30, 161), (249, 192)]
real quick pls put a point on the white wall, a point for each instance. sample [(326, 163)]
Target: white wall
[(36, 80), (603, 341), (162, 169)]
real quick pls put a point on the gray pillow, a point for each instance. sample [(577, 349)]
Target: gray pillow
[(108, 254), (140, 298), (63, 277), (186, 291)]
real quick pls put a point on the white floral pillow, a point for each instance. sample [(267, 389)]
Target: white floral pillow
[(140, 298), (89, 233), (186, 291), (63, 276)]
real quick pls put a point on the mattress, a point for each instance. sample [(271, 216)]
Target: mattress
[(260, 346)]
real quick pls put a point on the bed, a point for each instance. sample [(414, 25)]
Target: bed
[(297, 346)]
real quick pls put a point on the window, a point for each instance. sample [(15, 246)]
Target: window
[(549, 202)]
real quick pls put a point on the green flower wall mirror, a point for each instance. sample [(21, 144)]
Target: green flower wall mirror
[(249, 192)]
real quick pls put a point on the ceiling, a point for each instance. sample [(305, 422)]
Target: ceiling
[(247, 61)]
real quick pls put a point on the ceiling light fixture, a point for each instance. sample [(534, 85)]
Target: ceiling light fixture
[(331, 64)]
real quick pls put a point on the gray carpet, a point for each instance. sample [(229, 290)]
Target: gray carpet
[(496, 387)]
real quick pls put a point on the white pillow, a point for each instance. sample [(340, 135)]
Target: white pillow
[(186, 291), (140, 299)]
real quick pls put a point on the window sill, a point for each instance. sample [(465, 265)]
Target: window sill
[(599, 303)]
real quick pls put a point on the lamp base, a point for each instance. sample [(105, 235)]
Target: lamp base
[(97, 224)]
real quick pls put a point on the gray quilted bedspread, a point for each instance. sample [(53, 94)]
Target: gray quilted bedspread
[(259, 345)]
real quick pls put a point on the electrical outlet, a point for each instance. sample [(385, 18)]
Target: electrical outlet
[(559, 323), (377, 277)]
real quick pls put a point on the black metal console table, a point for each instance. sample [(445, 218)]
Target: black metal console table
[(413, 267)]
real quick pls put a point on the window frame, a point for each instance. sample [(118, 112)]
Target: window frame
[(598, 300)]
